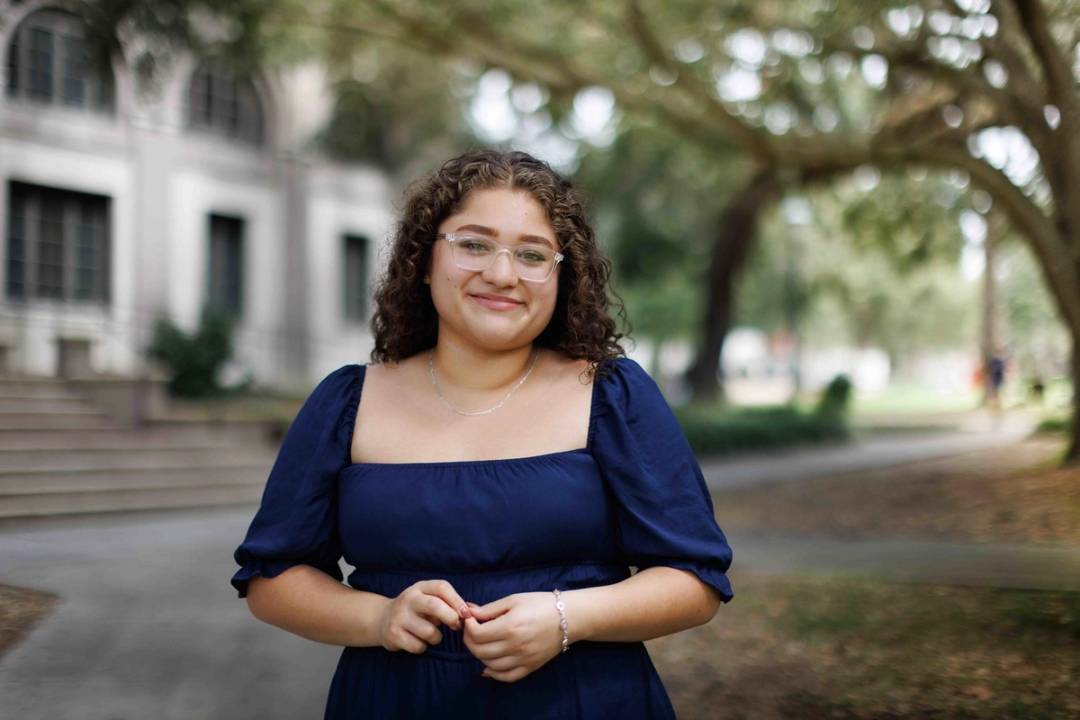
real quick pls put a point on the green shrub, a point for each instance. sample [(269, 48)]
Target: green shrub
[(835, 402), (194, 361), (1055, 425), (717, 431)]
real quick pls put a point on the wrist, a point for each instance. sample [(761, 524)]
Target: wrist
[(372, 608), (576, 616), (564, 628)]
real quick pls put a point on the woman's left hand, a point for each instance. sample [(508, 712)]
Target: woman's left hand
[(514, 635)]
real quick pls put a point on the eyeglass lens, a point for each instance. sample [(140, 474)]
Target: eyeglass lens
[(531, 262)]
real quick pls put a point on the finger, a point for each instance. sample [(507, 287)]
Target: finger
[(512, 675), (444, 590), (483, 633), (502, 663), (493, 609), (424, 630), (487, 651), (402, 639), (435, 609)]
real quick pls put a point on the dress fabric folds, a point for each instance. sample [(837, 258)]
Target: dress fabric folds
[(634, 496)]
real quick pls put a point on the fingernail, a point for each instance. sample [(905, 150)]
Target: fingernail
[(463, 611)]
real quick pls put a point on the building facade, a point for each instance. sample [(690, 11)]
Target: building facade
[(122, 203)]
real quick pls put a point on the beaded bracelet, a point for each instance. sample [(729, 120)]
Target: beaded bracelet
[(561, 606)]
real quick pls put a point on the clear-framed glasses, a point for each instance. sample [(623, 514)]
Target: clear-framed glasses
[(532, 262)]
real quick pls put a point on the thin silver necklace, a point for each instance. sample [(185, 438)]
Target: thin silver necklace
[(459, 411)]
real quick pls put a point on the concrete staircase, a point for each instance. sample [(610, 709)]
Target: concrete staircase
[(59, 455)]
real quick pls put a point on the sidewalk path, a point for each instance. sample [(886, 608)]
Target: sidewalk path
[(866, 454), (148, 625), (909, 560)]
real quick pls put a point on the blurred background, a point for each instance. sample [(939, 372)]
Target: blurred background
[(848, 240)]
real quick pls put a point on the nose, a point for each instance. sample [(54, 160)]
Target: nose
[(501, 271)]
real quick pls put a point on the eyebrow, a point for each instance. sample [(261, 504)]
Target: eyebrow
[(484, 230)]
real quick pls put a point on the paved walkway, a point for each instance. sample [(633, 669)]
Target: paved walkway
[(149, 626), (978, 432), (905, 560)]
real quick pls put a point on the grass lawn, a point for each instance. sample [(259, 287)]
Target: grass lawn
[(814, 647), (914, 399), (828, 648)]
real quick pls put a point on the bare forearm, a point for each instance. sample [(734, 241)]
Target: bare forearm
[(309, 603), (654, 602)]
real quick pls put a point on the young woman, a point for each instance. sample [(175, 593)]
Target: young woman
[(491, 477)]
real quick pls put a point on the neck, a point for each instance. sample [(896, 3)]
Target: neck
[(475, 370)]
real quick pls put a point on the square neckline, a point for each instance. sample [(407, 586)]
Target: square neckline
[(354, 411)]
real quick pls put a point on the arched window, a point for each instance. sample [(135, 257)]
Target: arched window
[(221, 102), (48, 62)]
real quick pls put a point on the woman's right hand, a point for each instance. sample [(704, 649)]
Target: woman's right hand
[(410, 621)]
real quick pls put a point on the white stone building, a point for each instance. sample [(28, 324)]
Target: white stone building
[(118, 204)]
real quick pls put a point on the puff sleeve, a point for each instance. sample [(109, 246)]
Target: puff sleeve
[(664, 512), (296, 523)]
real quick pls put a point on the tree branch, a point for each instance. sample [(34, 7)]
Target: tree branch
[(1060, 83), (1058, 262), (648, 41)]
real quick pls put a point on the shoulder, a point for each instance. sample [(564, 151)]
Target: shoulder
[(625, 375), (337, 386), (343, 375), (625, 388)]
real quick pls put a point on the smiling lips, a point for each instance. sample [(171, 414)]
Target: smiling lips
[(496, 302)]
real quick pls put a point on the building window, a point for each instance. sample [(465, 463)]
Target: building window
[(226, 264), (57, 244), (48, 62), (355, 280), (223, 103)]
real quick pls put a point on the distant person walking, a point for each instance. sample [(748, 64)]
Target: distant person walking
[(996, 372)]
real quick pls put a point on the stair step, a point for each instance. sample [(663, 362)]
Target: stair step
[(43, 387), (129, 499), (107, 480), (59, 455), (45, 405), (44, 422), (17, 392), (135, 458), (121, 438)]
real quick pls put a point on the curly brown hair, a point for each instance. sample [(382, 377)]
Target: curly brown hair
[(405, 321)]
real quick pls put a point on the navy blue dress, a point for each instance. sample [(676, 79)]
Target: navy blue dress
[(634, 495)]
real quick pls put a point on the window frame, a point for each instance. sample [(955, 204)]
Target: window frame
[(77, 211), (65, 35), (213, 286), (228, 105), (363, 313)]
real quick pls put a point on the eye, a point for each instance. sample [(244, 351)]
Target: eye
[(532, 256), (474, 245)]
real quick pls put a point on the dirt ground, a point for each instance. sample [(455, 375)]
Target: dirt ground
[(20, 610), (825, 648), (1014, 494)]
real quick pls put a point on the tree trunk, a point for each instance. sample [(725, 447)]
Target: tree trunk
[(736, 229), (1072, 456)]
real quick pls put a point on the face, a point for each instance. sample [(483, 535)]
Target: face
[(493, 309)]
